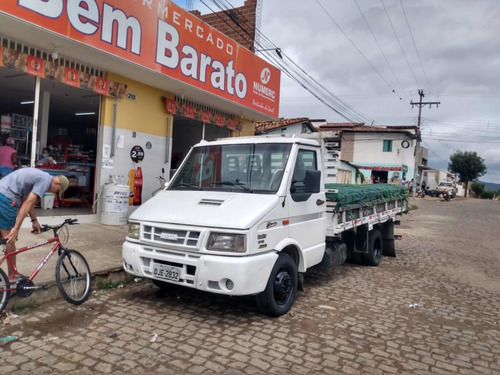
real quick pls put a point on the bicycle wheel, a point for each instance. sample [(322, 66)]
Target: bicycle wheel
[(4, 293), (73, 277)]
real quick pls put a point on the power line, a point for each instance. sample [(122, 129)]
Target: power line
[(380, 48), (295, 72), (415, 45), (400, 45), (355, 46)]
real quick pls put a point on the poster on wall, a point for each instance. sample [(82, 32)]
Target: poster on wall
[(137, 154)]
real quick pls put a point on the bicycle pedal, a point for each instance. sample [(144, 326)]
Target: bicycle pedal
[(44, 287)]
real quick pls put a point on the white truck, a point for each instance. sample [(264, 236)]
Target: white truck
[(250, 215)]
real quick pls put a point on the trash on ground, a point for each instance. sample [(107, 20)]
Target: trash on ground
[(7, 338), (112, 335), (120, 286), (51, 338), (153, 338), (414, 305), (138, 280)]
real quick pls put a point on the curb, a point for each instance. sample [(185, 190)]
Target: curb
[(52, 293)]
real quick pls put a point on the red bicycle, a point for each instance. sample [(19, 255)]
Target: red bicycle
[(72, 270)]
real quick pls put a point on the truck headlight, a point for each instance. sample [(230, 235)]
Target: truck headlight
[(134, 230), (226, 242)]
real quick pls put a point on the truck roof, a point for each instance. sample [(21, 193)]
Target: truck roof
[(260, 139)]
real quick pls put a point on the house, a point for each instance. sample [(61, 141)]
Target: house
[(338, 170), (385, 153)]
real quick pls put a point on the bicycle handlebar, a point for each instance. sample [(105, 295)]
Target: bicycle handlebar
[(46, 228)]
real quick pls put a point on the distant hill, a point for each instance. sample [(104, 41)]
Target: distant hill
[(490, 186)]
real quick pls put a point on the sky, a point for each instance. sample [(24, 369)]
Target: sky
[(375, 55)]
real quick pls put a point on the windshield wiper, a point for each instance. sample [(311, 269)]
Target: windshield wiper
[(231, 183), (184, 184)]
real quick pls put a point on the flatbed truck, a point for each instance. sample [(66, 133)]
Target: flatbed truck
[(250, 215)]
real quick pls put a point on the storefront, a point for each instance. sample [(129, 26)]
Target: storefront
[(383, 172), (114, 88)]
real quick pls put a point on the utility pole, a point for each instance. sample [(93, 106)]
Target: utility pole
[(418, 152)]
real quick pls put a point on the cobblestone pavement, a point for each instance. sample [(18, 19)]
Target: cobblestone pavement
[(434, 309)]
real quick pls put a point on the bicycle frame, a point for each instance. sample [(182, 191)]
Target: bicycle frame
[(8, 256)]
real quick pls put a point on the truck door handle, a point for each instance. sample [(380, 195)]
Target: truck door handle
[(319, 202)]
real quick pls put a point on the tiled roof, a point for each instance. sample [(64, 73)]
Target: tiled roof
[(265, 126), (361, 127)]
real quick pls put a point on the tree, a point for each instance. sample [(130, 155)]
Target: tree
[(468, 165)]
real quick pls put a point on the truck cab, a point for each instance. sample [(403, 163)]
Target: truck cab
[(444, 187), (241, 216)]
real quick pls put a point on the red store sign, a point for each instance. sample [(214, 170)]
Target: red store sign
[(159, 35)]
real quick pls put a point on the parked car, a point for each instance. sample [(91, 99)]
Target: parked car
[(445, 187)]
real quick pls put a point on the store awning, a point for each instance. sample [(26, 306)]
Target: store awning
[(401, 167)]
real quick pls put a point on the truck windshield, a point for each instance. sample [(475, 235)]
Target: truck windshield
[(245, 168)]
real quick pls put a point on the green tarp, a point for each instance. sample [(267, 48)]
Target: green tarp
[(364, 195)]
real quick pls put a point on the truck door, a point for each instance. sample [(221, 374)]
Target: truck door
[(307, 207)]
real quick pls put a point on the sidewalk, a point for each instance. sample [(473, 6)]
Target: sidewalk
[(101, 245)]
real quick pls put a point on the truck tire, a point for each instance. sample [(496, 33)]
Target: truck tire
[(281, 288), (374, 255)]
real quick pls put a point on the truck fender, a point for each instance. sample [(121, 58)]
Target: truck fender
[(294, 250)]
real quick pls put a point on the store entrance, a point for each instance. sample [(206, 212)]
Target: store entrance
[(66, 141), (187, 132)]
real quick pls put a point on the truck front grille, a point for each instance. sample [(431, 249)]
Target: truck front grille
[(171, 236)]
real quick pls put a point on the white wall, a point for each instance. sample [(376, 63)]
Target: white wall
[(289, 129), (154, 159), (368, 148)]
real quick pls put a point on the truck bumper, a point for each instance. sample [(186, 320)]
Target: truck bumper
[(227, 275)]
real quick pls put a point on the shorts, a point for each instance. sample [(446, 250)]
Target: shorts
[(8, 213), (4, 171)]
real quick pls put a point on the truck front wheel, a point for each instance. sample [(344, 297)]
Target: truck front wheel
[(374, 248), (281, 288)]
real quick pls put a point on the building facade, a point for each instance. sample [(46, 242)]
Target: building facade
[(119, 90)]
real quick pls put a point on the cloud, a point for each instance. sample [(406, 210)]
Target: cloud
[(457, 43)]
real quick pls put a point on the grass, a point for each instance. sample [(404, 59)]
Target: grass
[(412, 207), (109, 284), (25, 307)]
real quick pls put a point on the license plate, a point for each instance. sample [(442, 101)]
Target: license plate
[(166, 272)]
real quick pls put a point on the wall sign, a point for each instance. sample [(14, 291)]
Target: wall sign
[(137, 154), (163, 37)]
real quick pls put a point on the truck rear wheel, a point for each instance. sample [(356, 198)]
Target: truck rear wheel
[(281, 288), (374, 249)]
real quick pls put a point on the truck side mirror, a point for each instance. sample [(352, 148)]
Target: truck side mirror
[(313, 181)]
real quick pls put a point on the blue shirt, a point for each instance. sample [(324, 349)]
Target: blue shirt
[(20, 183)]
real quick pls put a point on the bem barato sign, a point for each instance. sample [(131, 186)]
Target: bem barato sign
[(161, 36)]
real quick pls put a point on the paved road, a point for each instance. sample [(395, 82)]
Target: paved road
[(354, 320)]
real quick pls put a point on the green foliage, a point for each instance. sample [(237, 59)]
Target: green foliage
[(412, 207), (467, 164), (477, 188), (114, 284), (487, 194)]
